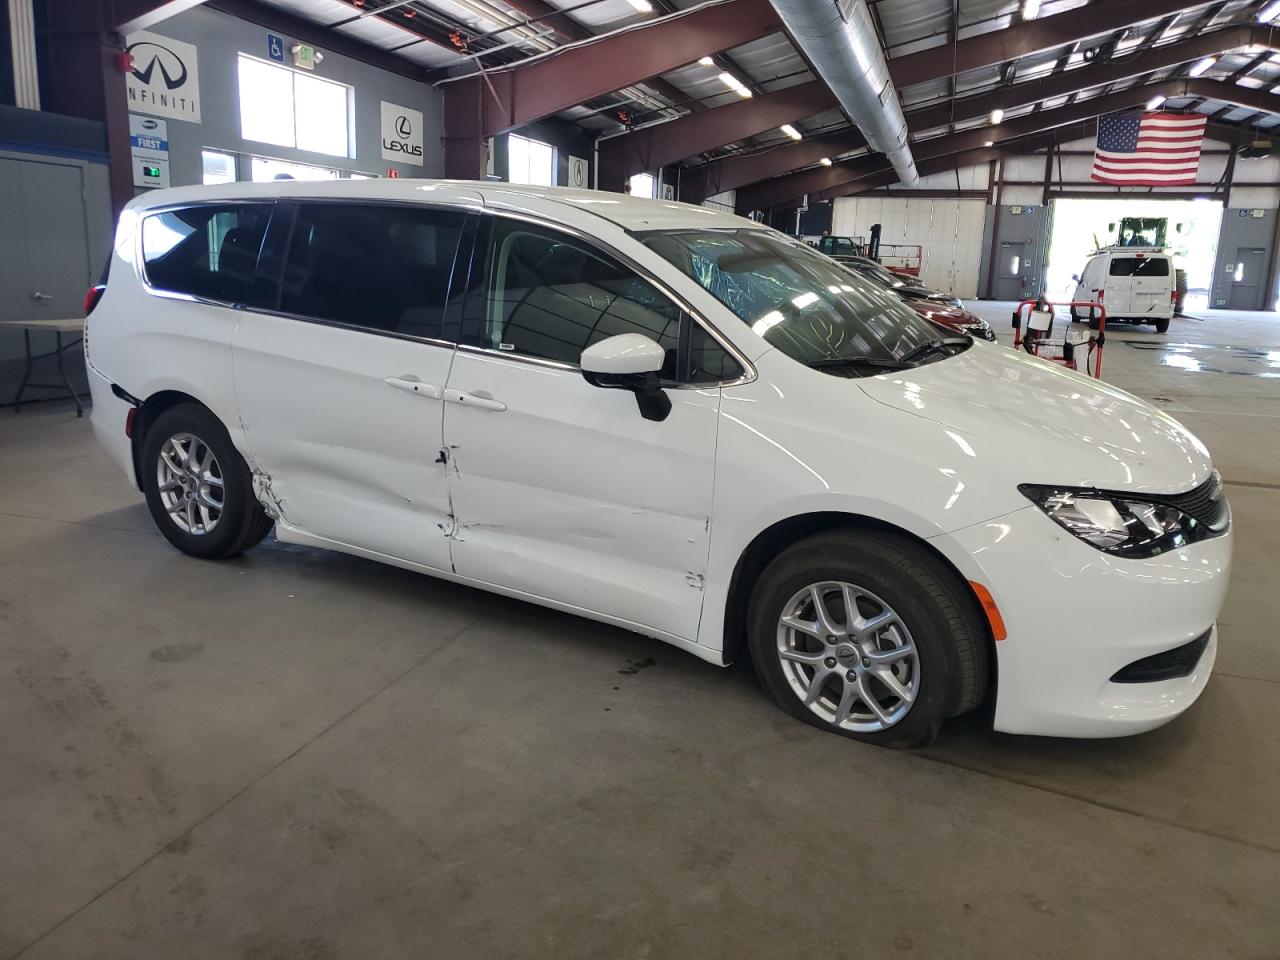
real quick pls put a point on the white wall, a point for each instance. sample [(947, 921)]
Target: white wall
[(722, 201), (948, 230)]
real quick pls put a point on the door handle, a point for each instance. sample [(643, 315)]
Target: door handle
[(428, 390), (41, 296), (463, 399)]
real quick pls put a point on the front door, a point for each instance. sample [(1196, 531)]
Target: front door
[(562, 490), (1247, 278), (340, 390), (1012, 268)]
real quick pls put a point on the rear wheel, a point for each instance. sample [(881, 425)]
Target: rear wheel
[(866, 634), (199, 489), (1162, 325)]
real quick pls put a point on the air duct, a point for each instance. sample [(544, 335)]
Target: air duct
[(840, 40)]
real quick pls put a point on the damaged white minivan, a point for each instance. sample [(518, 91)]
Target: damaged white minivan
[(670, 419)]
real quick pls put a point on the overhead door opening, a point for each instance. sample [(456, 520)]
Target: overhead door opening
[(1080, 226)]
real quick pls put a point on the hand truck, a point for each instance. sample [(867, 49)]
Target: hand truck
[(1080, 342)]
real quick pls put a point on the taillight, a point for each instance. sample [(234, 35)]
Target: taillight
[(1173, 298), (1101, 294), (93, 296)]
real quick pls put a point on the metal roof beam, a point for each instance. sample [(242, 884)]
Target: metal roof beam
[(1030, 36), (818, 181), (477, 107), (572, 31), (130, 15), (734, 172), (663, 143)]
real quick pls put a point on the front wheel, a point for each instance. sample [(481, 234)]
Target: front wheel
[(869, 635), (199, 489)]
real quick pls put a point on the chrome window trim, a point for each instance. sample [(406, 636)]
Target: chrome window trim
[(749, 373), (164, 294)]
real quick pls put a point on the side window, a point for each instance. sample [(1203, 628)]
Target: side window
[(207, 251), (1122, 266), (551, 297), (380, 266)]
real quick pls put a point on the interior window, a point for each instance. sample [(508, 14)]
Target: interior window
[(381, 266), (551, 297), (206, 251)]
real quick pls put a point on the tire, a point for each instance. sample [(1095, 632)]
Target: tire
[(1162, 325), (188, 510), (930, 606)]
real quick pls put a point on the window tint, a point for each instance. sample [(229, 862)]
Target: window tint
[(1134, 267), (551, 297), (384, 267), (207, 251)]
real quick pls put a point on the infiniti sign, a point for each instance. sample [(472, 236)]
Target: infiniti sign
[(164, 78)]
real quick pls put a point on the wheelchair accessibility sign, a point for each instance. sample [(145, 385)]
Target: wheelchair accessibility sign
[(275, 48)]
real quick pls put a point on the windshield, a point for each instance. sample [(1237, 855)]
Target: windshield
[(798, 300)]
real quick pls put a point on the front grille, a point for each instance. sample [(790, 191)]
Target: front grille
[(1205, 503), (1178, 662)]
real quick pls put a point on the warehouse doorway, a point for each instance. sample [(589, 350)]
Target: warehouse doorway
[(1080, 225)]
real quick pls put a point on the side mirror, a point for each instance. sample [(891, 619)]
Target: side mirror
[(1075, 277), (1111, 227), (629, 361)]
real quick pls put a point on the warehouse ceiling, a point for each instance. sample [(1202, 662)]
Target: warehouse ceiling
[(953, 62)]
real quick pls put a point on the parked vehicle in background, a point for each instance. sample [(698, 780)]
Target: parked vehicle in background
[(954, 318), (909, 288), (668, 419), (1135, 285)]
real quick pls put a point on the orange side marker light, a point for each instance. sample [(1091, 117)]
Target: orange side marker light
[(990, 609)]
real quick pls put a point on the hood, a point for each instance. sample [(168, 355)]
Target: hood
[(1055, 426)]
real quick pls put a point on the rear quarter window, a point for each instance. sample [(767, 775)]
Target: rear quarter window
[(209, 252)]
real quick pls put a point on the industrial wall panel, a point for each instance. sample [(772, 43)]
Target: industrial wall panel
[(949, 231)]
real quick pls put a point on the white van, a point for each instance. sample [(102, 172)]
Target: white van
[(1137, 285), (669, 419)]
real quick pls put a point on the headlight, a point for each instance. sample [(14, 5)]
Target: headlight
[(1116, 523)]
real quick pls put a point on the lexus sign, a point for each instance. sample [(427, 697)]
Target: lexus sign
[(401, 134), (164, 80)]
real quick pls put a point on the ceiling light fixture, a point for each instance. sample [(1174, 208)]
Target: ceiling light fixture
[(1202, 66), (989, 143), (706, 61), (790, 131), (1030, 8), (826, 161), (1155, 101), (996, 116), (1269, 12), (734, 84), (644, 6)]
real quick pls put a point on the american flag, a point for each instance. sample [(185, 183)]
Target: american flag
[(1149, 149)]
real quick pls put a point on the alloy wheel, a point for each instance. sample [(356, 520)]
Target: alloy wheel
[(189, 480), (848, 656)]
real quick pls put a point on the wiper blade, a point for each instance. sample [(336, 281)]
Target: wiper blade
[(932, 346), (826, 363)]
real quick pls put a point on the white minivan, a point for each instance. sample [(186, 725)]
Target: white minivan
[(1133, 285), (670, 419)]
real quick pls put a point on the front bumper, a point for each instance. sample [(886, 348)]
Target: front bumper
[(1077, 616)]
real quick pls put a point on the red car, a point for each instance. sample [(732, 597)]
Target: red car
[(954, 318)]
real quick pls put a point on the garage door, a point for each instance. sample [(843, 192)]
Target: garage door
[(948, 231)]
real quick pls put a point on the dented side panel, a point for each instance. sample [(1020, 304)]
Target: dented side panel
[(336, 450), (569, 494)]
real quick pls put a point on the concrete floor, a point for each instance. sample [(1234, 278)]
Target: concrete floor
[(297, 754)]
